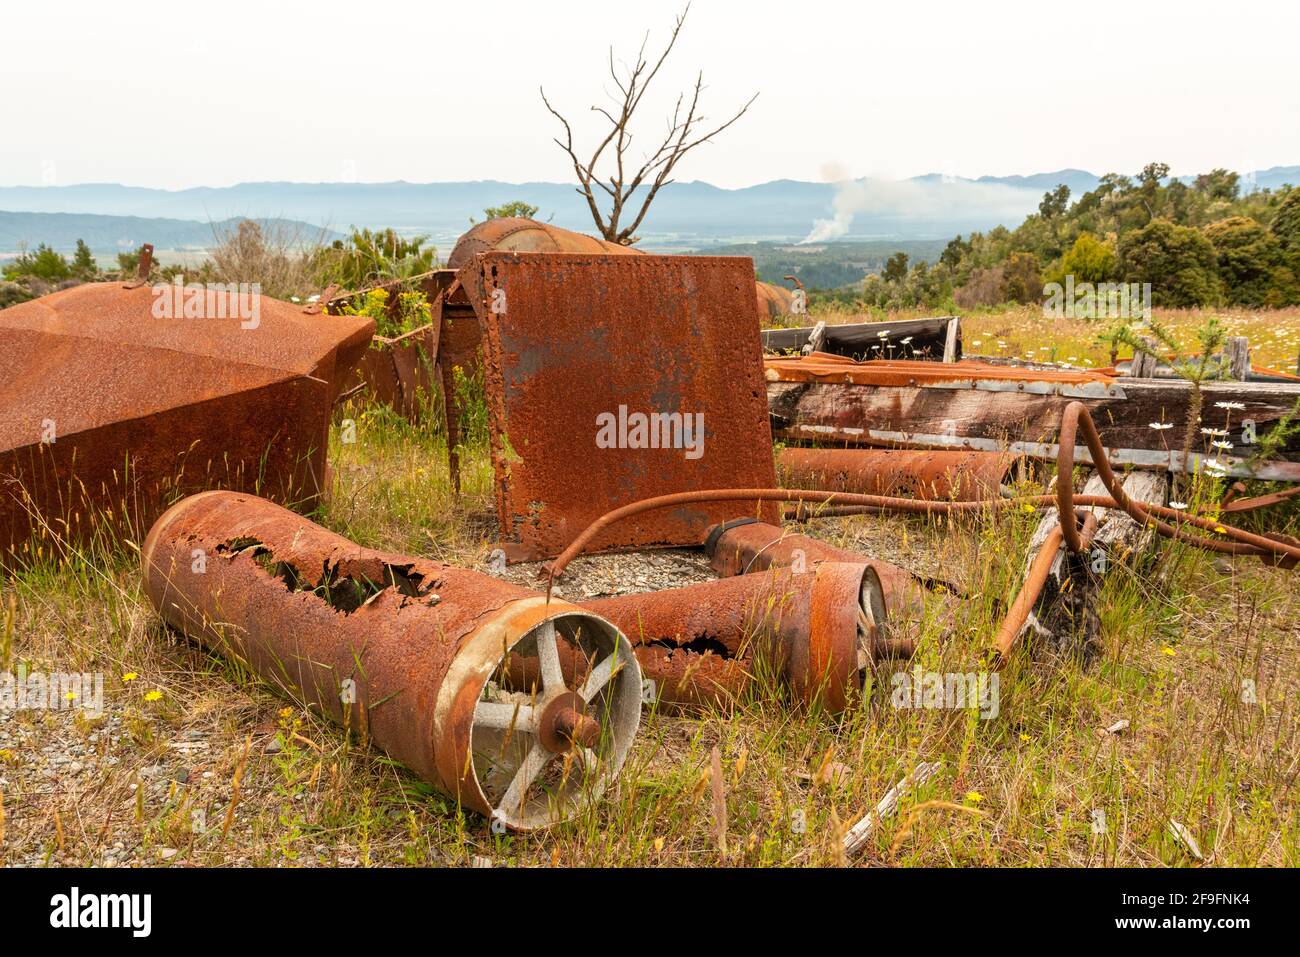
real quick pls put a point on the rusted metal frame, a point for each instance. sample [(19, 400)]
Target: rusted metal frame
[(404, 651), (1234, 504)]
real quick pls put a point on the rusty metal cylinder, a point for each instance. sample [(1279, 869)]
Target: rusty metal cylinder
[(746, 546), (517, 234), (816, 630), (963, 476), (407, 652)]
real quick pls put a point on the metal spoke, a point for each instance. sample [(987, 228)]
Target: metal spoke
[(598, 678), (536, 759), (505, 714), (548, 656)]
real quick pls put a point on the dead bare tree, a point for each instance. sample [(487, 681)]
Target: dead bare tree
[(683, 136)]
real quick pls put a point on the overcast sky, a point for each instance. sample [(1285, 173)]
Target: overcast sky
[(182, 94)]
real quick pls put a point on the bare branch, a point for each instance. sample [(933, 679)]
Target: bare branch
[(655, 167)]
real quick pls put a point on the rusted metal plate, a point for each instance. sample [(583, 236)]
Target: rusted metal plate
[(110, 410), (958, 476), (611, 379), (399, 372), (404, 651)]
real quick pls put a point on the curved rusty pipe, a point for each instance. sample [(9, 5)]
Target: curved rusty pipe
[(1243, 542), (1036, 578)]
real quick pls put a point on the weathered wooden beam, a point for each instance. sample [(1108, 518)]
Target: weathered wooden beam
[(1237, 352), (1026, 422)]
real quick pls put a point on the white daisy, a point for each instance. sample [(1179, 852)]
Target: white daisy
[(1161, 426)]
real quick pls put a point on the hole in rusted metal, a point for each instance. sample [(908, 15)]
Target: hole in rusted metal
[(342, 590), (700, 646)]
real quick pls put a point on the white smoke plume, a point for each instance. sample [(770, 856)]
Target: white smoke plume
[(921, 199)]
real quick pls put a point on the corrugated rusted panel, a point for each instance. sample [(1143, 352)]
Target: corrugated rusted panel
[(109, 410), (611, 379)]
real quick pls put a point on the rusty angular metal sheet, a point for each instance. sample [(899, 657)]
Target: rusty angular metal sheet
[(141, 408), (517, 234), (816, 630), (399, 372), (744, 546), (404, 651), (927, 475), (588, 361)]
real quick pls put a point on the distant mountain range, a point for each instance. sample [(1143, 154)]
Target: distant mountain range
[(108, 234), (691, 214)]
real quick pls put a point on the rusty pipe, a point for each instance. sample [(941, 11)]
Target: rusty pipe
[(745, 546), (939, 475), (1242, 542), (816, 630), (405, 651), (1035, 580)]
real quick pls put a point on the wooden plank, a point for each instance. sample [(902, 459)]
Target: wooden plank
[(952, 340), (1237, 352)]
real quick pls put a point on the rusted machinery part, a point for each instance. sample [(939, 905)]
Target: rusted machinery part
[(405, 651), (1039, 570), (816, 630), (682, 679), (773, 301), (746, 546), (517, 234), (1075, 416), (957, 476), (1231, 503), (113, 402), (1242, 542)]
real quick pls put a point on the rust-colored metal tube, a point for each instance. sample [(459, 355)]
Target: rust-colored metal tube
[(1032, 589), (406, 651), (943, 476), (744, 546), (816, 630)]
